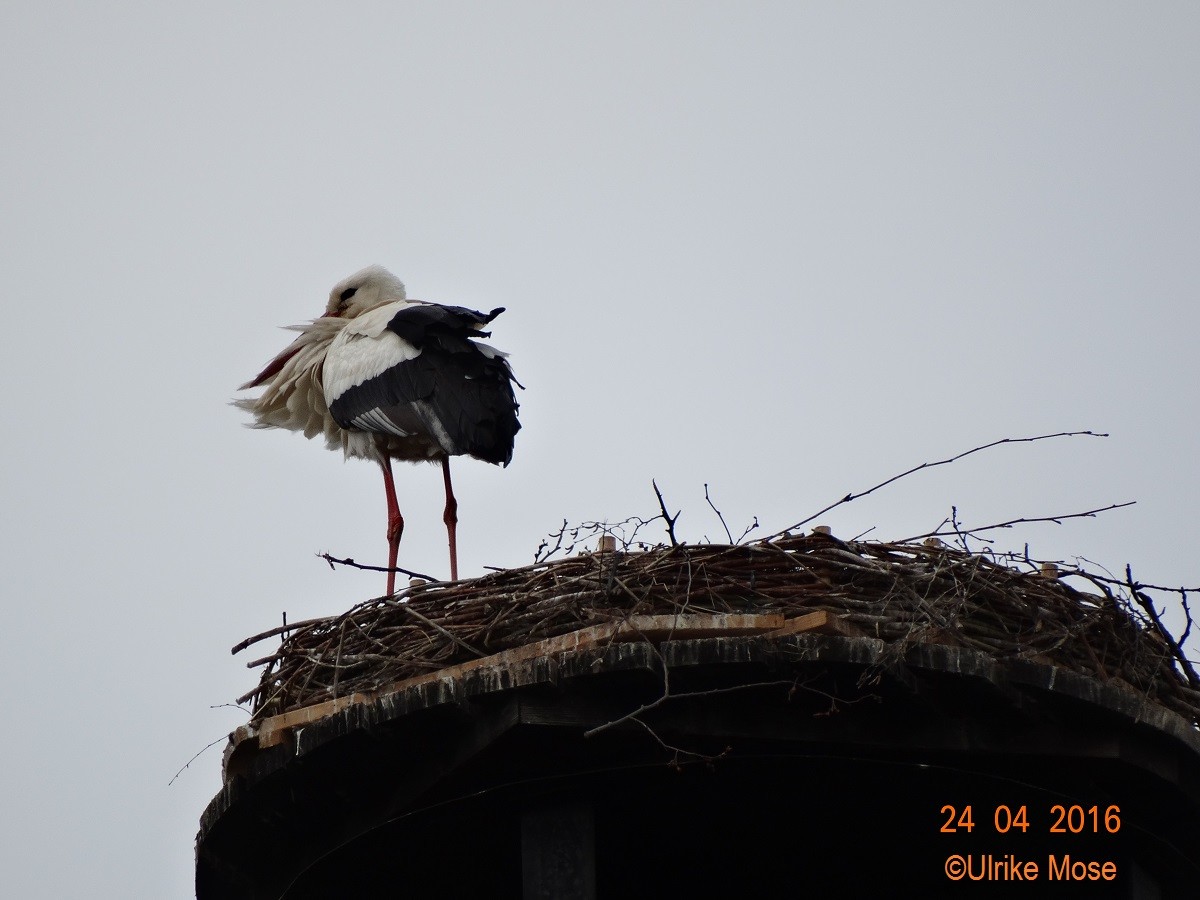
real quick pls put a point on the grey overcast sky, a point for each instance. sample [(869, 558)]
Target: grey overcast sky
[(784, 249)]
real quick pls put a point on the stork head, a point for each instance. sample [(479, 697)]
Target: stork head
[(362, 291)]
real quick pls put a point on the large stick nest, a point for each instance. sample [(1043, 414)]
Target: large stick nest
[(901, 593)]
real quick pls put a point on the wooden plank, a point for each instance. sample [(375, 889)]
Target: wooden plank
[(272, 731), (821, 621), (687, 626), (807, 622)]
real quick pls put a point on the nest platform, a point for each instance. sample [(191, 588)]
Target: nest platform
[(696, 718), (901, 594)]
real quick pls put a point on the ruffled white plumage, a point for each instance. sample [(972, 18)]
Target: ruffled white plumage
[(294, 397), (325, 360)]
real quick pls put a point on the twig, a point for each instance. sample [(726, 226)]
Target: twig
[(957, 531), (436, 627), (728, 534), (963, 533), (541, 554), (646, 707), (230, 706), (666, 515), (1146, 604), (196, 757), (708, 500), (749, 528), (349, 562), (680, 751), (1112, 579), (1187, 612), (929, 465), (271, 632)]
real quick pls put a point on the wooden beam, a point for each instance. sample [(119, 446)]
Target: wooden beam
[(821, 621)]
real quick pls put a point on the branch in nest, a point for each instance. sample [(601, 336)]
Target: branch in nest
[(1135, 589), (1187, 612), (667, 517), (963, 533), (929, 465), (349, 562), (708, 500), (544, 550), (436, 627), (728, 534), (1182, 591), (271, 632)]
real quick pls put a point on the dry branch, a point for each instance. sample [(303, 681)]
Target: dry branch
[(334, 561), (930, 465)]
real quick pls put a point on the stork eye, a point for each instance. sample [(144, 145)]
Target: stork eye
[(348, 293)]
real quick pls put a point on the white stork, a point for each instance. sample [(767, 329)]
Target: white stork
[(383, 377)]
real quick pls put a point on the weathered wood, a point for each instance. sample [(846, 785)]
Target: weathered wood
[(821, 621), (273, 731)]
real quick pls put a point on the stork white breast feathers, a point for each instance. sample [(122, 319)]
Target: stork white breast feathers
[(383, 377)]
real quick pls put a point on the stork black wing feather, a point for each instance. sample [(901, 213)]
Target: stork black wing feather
[(425, 322), (454, 392)]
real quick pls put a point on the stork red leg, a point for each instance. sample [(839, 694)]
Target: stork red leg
[(450, 517), (395, 522)]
